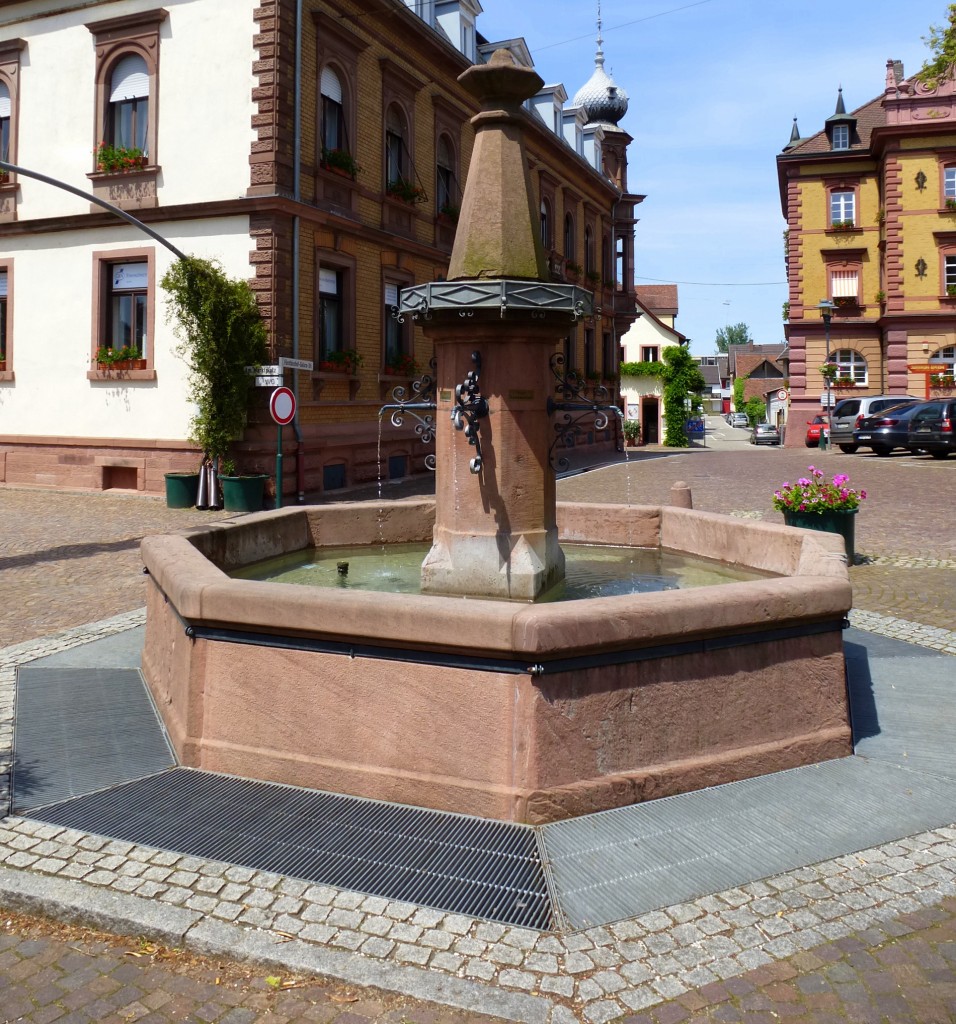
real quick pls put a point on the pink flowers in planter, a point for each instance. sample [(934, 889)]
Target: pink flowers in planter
[(816, 494)]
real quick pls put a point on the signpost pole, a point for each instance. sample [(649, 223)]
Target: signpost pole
[(279, 467), (282, 409)]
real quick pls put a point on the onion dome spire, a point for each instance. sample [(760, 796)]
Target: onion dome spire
[(604, 102)]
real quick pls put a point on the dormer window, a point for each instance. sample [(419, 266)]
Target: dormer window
[(840, 138)]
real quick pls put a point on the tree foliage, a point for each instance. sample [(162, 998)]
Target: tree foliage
[(220, 332), (681, 377), (733, 334), (942, 44)]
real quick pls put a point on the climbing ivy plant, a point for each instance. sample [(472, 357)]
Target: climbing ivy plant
[(682, 377), (642, 369), (221, 333)]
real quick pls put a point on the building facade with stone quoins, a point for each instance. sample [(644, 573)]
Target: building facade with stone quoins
[(870, 205), (319, 150)]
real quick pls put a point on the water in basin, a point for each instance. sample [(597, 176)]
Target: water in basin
[(591, 570)]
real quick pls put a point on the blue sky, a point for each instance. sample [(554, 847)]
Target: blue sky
[(714, 86)]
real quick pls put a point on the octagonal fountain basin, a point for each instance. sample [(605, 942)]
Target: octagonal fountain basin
[(522, 712)]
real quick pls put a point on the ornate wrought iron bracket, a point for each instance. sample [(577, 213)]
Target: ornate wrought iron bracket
[(470, 408), (577, 408), (418, 402)]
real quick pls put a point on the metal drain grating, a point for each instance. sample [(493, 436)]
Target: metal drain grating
[(78, 730), (473, 866)]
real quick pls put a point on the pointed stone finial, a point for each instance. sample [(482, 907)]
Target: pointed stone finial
[(498, 233)]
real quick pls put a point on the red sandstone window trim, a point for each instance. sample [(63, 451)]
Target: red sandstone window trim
[(103, 263), (6, 321), (114, 39)]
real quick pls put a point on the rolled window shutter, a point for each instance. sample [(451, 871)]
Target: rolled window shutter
[(330, 86), (4, 101), (130, 79)]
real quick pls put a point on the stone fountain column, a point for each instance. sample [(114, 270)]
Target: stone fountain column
[(498, 319)]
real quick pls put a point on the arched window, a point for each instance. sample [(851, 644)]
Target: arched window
[(851, 365), (446, 178), (5, 112), (396, 146), (946, 357), (334, 137), (128, 113), (569, 246), (546, 224)]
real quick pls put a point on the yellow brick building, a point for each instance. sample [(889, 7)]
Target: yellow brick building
[(870, 205), (375, 182)]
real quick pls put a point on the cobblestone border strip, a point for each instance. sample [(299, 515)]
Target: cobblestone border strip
[(593, 975), (942, 640)]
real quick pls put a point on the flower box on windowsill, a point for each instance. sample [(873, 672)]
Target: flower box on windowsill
[(122, 365)]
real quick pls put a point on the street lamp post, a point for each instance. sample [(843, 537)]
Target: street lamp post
[(826, 308)]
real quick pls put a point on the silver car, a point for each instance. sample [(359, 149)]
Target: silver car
[(765, 433), (849, 413)]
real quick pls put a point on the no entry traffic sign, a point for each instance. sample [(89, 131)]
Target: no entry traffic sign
[(282, 406)]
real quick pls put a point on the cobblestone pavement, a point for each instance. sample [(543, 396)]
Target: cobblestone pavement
[(866, 937)]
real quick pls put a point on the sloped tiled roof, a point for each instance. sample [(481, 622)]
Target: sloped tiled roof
[(736, 352), (871, 115), (660, 299), (711, 375)]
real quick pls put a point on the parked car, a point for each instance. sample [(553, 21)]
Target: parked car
[(765, 433), (933, 428), (739, 419), (886, 430), (814, 427), (849, 413)]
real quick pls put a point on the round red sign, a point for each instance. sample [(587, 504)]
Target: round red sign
[(282, 406)]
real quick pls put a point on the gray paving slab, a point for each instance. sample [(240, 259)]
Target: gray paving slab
[(120, 650)]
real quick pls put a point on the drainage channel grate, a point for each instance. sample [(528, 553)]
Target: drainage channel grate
[(482, 868), (78, 730)]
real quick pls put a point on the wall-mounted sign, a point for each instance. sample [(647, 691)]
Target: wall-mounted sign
[(130, 276), (927, 367)]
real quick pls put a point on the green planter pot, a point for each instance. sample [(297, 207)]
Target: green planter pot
[(841, 522), (243, 493), (181, 489)]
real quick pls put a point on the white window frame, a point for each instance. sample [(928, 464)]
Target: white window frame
[(841, 136), (851, 364), (949, 182), (949, 270), (842, 206)]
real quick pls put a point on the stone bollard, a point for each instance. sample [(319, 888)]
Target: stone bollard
[(680, 495)]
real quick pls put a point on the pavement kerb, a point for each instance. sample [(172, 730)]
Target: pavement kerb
[(119, 913)]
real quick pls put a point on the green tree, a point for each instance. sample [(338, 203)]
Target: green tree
[(756, 410), (221, 333), (733, 334), (942, 44), (682, 377)]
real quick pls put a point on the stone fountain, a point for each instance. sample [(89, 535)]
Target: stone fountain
[(500, 708)]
